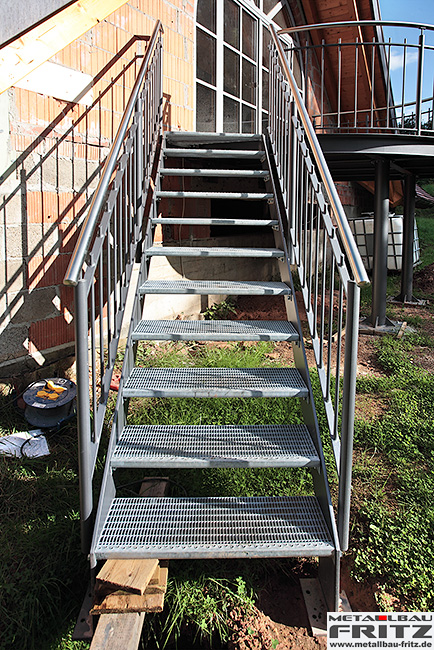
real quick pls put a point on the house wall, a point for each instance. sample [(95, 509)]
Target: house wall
[(51, 156)]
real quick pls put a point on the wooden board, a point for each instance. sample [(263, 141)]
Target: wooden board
[(25, 54), (119, 602), (118, 631), (132, 576)]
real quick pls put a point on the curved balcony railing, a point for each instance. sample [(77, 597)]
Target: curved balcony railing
[(371, 84)]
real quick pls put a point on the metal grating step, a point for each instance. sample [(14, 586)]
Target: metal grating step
[(244, 173), (198, 221), (214, 330), (209, 136), (212, 527), (244, 196), (216, 251), (215, 287), (215, 382), (215, 446), (214, 153)]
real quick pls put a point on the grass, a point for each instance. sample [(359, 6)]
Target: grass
[(43, 573)]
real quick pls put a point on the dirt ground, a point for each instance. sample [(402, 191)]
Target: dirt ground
[(281, 620)]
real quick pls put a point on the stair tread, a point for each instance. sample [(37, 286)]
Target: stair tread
[(171, 528), (215, 287), (213, 251), (215, 330), (205, 194), (199, 221), (194, 171), (213, 153), (215, 382), (215, 446)]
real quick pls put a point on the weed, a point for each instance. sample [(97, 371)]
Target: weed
[(221, 310)]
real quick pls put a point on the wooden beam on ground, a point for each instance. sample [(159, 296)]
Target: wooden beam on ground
[(118, 632), (119, 601), (132, 576), (122, 631), (25, 54)]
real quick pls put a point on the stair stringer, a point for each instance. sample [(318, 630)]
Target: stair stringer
[(108, 487), (329, 568)]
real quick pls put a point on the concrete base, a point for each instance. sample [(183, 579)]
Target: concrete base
[(390, 327), (415, 302)]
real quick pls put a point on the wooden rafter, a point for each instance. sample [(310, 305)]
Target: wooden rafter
[(25, 54)]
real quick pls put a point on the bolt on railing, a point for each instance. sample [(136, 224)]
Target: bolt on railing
[(102, 262), (329, 266)]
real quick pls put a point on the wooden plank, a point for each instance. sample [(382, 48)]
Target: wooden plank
[(120, 601), (25, 54), (132, 576), (118, 631)]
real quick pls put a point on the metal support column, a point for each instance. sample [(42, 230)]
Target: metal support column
[(406, 294), (381, 233)]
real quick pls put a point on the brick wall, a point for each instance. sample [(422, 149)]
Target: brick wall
[(51, 155)]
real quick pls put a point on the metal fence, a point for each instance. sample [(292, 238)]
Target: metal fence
[(103, 259), (329, 266), (399, 72)]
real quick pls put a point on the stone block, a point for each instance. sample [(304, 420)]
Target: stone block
[(12, 208), (13, 342), (12, 275)]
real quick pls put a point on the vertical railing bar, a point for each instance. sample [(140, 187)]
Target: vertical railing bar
[(101, 313), (338, 359), (114, 221), (108, 288), (323, 290), (419, 86), (348, 412), (305, 219), (372, 81), (322, 81), (92, 352), (83, 410), (339, 80), (330, 327), (404, 63), (312, 206), (355, 81), (389, 52), (317, 249)]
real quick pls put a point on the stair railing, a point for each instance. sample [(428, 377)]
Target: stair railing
[(102, 262), (330, 269), (407, 108)]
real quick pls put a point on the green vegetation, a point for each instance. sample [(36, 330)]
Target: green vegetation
[(394, 524)]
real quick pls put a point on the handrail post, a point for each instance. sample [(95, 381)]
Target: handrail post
[(83, 414), (348, 412), (420, 82)]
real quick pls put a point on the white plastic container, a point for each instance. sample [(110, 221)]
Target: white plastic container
[(363, 231)]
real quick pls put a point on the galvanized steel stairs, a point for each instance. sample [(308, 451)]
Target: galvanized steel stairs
[(217, 526)]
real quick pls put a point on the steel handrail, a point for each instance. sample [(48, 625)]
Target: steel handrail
[(88, 229), (355, 23), (355, 261)]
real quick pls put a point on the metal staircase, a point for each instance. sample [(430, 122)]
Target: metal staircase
[(216, 526), (286, 173)]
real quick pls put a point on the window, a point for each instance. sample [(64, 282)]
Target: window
[(232, 40)]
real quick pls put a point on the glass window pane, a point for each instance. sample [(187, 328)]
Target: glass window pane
[(248, 125), (249, 35), (269, 5), (265, 82), (206, 14), (231, 115), (249, 82), (232, 24), (264, 122), (205, 108), (231, 81), (205, 57), (266, 38), (282, 19)]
